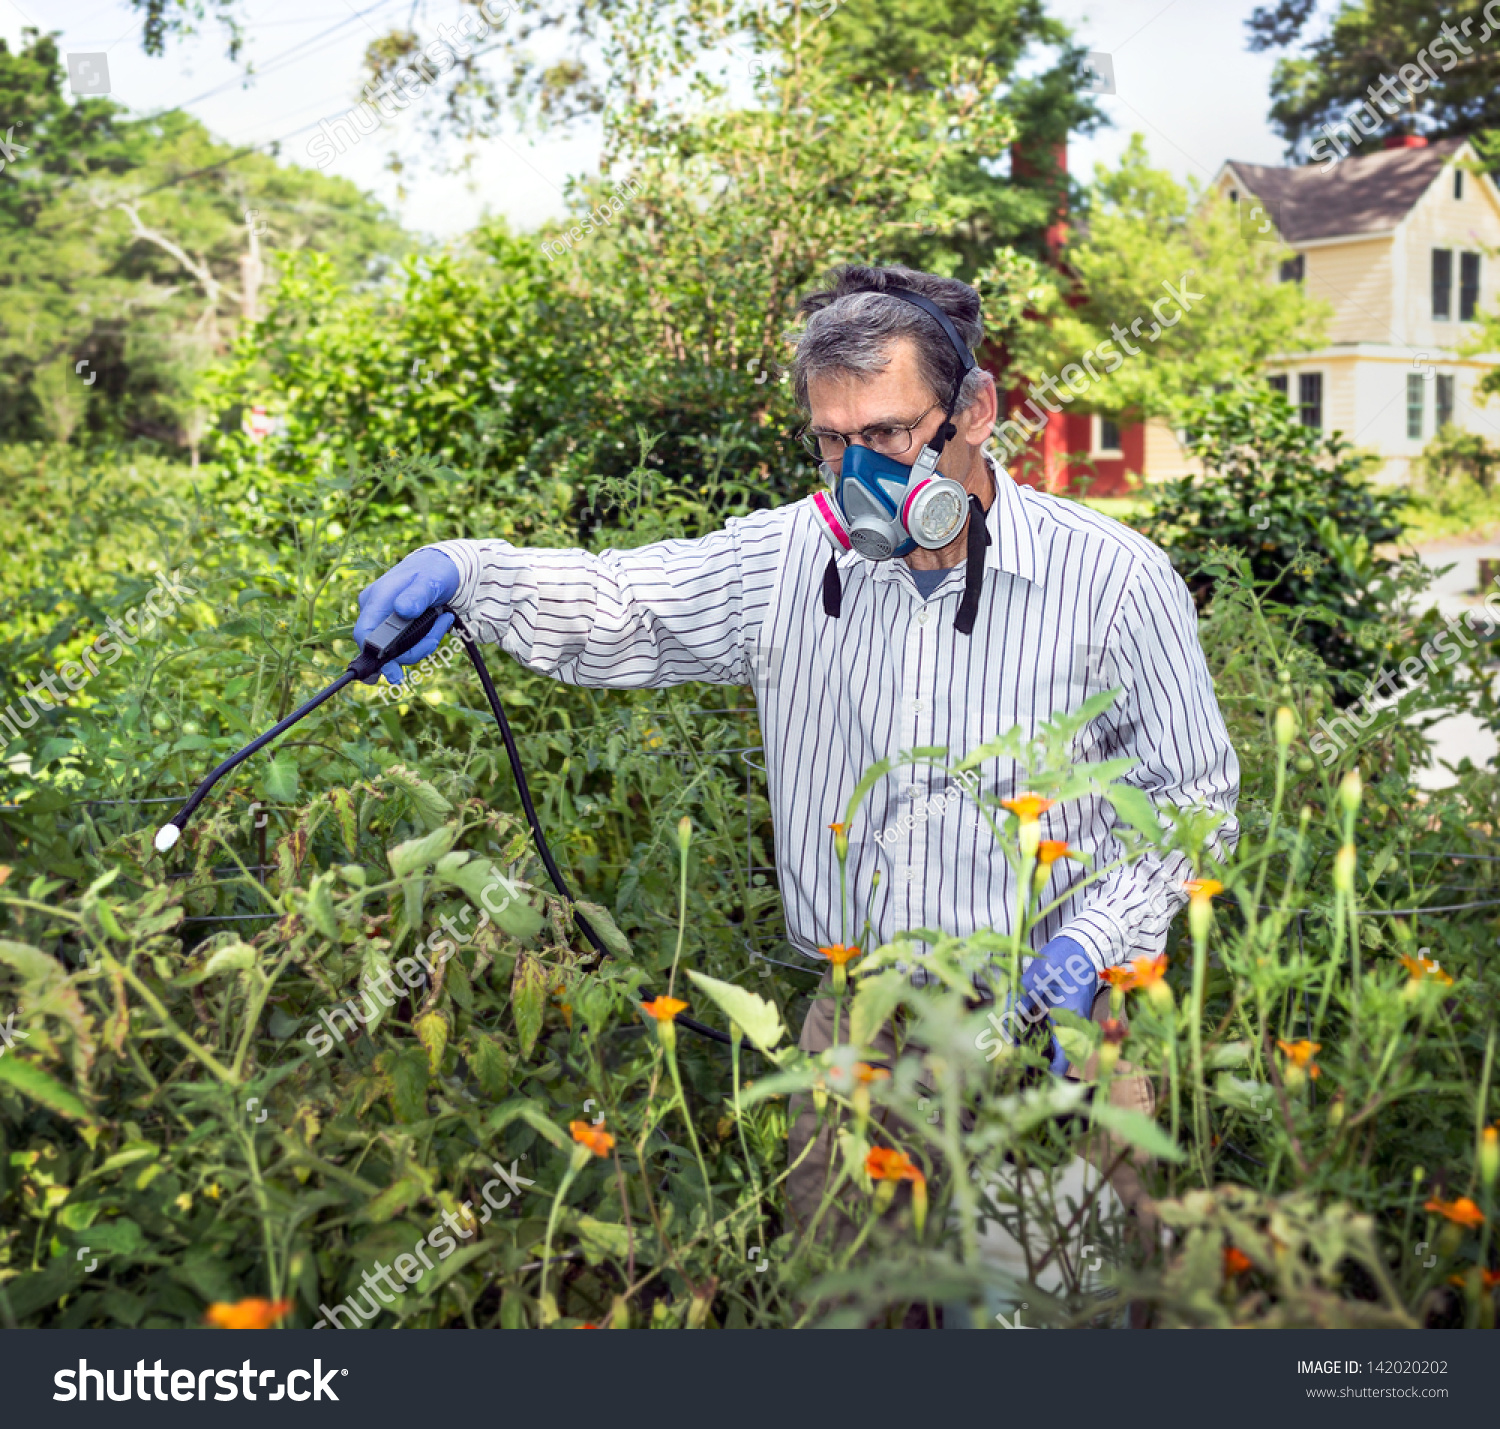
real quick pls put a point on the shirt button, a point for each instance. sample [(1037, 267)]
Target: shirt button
[(919, 706), (922, 616), (911, 874)]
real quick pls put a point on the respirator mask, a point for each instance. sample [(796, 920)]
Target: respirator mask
[(884, 508)]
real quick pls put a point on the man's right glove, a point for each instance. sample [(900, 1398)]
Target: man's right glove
[(420, 581)]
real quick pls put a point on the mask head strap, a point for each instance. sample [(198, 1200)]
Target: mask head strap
[(947, 431)]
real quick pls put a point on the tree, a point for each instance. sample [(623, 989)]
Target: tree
[(1146, 236), (130, 248), (1447, 62)]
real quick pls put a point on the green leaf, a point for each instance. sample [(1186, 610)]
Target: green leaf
[(1078, 1036), (320, 907), (31, 1081), (280, 781), (757, 1018), (491, 891), (603, 923), (232, 957), (408, 857), (393, 1200), (528, 998), (1138, 1129), (37, 969), (1133, 805), (875, 999)]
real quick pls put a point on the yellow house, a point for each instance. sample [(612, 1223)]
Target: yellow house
[(1402, 244)]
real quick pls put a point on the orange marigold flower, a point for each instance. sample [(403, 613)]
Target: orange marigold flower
[(1488, 1278), (1140, 973), (1301, 1054), (664, 1008), (1028, 807), (839, 828), (255, 1313), (1050, 850), (1420, 968), (885, 1163), (596, 1138), (1202, 889), (1236, 1262), (840, 953), (1462, 1212)]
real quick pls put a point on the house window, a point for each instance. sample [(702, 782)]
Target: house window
[(1234, 195), (1310, 399), (1416, 389), (1458, 183), (1109, 435), (1443, 414), (1468, 286), (1293, 269), (1442, 282), (1277, 383)]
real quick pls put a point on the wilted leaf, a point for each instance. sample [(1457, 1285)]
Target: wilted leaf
[(432, 1031), (491, 1067), (405, 1076), (528, 997), (415, 854), (30, 1080), (601, 920), (348, 817), (492, 891), (431, 807), (232, 957)]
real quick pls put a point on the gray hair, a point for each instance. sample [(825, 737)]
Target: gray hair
[(852, 324)]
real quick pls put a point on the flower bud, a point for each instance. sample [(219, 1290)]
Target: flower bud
[(1343, 869), (1351, 790), (1031, 837), (1489, 1156), (1160, 995), (1286, 726), (684, 832), (1200, 918)]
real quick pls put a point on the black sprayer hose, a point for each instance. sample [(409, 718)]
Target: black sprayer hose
[(476, 656)]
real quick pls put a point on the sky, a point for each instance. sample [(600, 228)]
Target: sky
[(1182, 75)]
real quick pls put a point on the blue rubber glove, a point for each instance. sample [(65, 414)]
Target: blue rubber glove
[(422, 580), (1061, 975)]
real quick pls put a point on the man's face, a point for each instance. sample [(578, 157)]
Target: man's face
[(896, 396)]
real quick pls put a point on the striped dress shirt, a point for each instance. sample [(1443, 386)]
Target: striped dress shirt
[(1072, 602)]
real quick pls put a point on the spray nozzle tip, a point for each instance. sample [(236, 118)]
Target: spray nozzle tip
[(166, 836)]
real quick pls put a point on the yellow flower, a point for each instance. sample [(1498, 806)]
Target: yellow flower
[(1203, 889), (1048, 851), (213, 1191), (840, 840), (252, 1314)]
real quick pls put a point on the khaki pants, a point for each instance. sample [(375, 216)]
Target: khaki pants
[(805, 1185)]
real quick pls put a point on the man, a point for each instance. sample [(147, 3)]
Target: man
[(926, 599)]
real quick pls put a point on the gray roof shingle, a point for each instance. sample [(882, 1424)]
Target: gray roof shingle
[(1364, 193)]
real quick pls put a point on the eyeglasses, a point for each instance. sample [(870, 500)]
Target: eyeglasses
[(887, 438)]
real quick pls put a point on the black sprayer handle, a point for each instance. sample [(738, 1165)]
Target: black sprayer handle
[(394, 636)]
